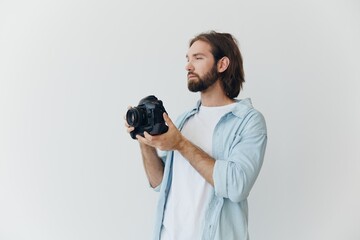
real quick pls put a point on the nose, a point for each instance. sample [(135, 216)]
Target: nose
[(189, 67)]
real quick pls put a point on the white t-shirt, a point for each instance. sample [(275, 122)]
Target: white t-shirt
[(190, 193)]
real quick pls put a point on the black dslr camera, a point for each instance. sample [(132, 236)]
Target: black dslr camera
[(147, 116)]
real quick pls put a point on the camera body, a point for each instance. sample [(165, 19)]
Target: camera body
[(147, 116)]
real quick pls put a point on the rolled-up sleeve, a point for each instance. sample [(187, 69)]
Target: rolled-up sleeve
[(235, 174)]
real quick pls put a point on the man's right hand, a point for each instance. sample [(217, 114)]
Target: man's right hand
[(154, 167)]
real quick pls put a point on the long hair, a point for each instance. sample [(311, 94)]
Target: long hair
[(225, 45)]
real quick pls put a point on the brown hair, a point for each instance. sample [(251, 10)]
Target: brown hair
[(225, 45)]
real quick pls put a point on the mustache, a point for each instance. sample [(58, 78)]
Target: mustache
[(192, 73)]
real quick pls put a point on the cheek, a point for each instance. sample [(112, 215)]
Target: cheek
[(205, 68), (200, 67)]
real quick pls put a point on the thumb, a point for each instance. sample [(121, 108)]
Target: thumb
[(167, 119)]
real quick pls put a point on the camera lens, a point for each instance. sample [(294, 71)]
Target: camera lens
[(132, 117)]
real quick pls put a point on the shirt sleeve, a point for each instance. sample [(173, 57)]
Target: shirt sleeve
[(235, 175)]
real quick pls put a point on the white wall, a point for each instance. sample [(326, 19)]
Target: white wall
[(69, 69)]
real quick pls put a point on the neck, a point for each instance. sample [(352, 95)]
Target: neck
[(215, 96)]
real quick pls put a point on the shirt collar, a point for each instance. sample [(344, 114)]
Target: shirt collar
[(242, 107)]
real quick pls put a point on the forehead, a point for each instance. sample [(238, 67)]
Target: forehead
[(199, 47)]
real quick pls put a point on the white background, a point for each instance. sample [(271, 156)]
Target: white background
[(69, 69)]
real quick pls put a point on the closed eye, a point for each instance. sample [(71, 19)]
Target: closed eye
[(196, 56)]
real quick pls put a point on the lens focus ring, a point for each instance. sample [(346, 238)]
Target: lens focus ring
[(132, 117)]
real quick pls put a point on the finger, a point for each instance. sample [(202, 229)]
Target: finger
[(148, 136), (167, 119), (130, 129), (143, 140), (140, 138)]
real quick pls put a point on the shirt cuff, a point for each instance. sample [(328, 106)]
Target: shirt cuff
[(219, 176)]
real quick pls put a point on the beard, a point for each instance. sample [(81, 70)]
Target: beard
[(203, 83)]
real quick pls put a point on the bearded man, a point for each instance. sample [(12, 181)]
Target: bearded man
[(213, 153)]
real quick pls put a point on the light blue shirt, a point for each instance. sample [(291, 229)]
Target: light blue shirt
[(239, 142)]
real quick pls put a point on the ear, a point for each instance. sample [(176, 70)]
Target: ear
[(223, 64)]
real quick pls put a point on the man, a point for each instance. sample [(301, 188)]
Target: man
[(214, 152)]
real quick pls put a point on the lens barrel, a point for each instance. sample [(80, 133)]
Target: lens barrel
[(133, 117)]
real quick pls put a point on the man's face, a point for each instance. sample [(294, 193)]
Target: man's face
[(201, 67)]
